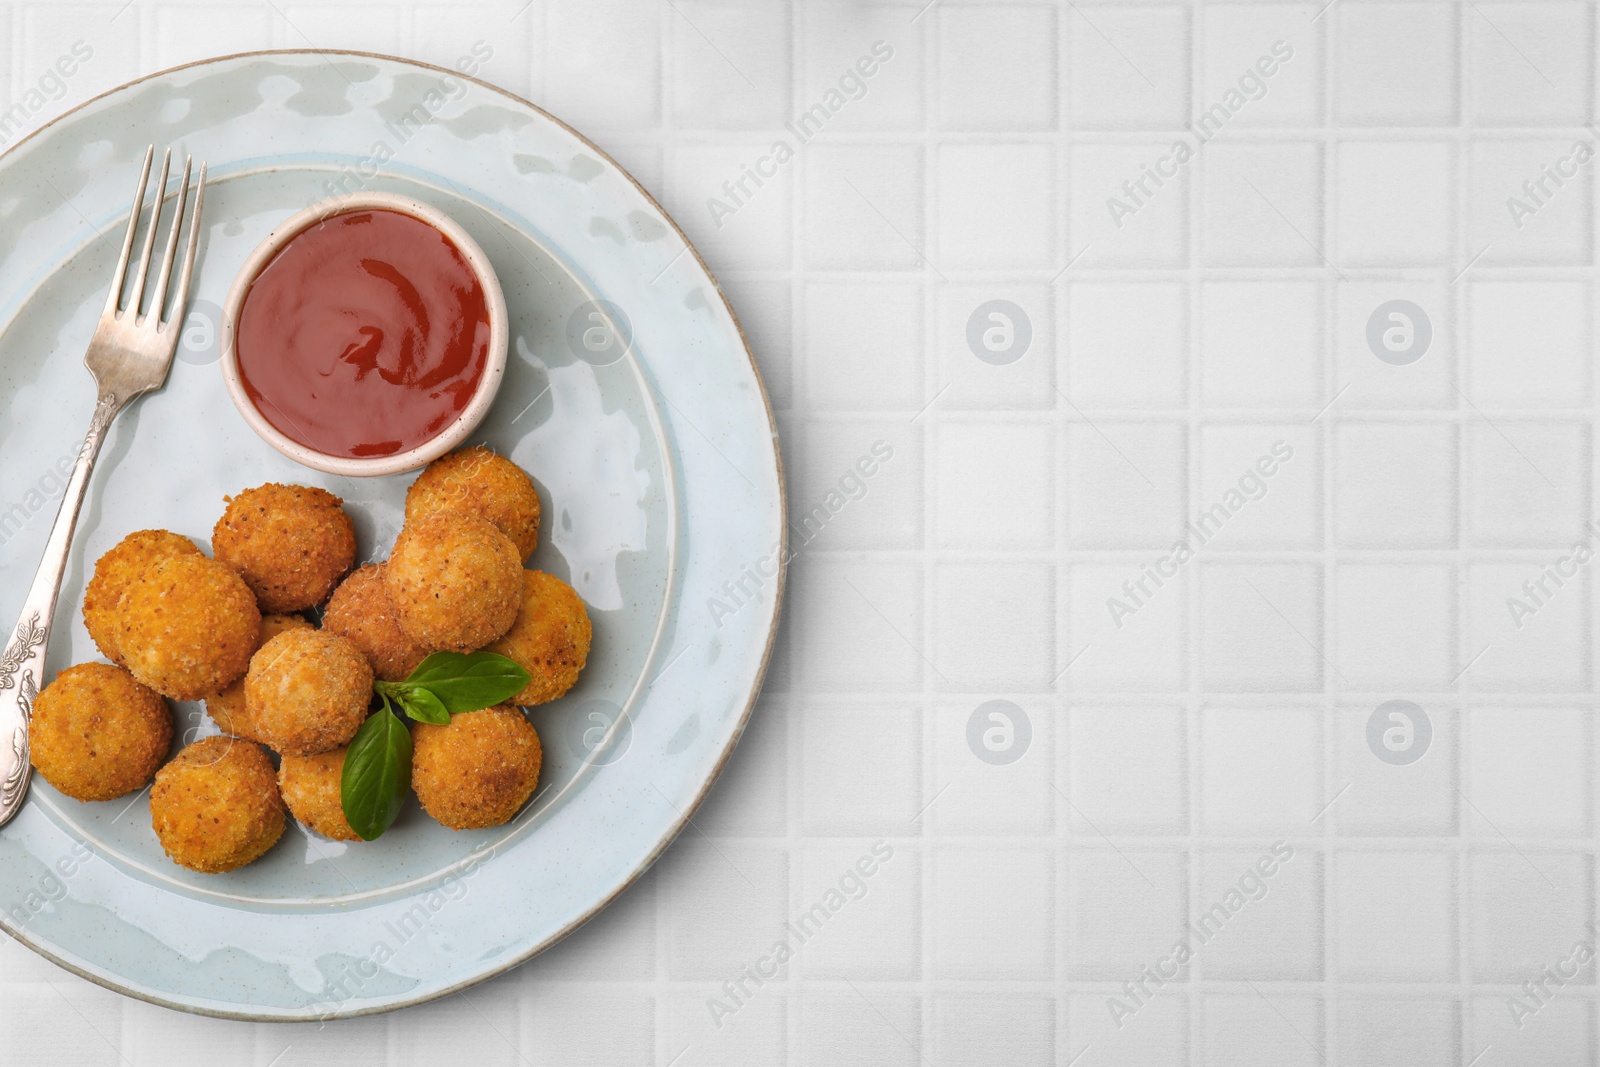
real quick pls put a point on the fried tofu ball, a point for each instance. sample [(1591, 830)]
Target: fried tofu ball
[(227, 708), (479, 770), (550, 638), (311, 787), (187, 626), (115, 571), (480, 482), (216, 806), (97, 734), (455, 581), (290, 543), (307, 692), (360, 610)]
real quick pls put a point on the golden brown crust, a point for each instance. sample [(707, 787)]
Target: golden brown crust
[(360, 610), (227, 708), (187, 627), (97, 734), (478, 481), (479, 770), (307, 692), (290, 543), (455, 581), (550, 638), (311, 788), (216, 806), (127, 560)]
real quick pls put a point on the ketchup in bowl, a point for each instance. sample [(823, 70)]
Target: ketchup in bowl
[(365, 335)]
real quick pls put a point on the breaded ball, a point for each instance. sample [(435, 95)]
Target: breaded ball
[(227, 708), (311, 787), (115, 571), (360, 610), (550, 638), (97, 734), (216, 805), (479, 770), (480, 482), (187, 626), (290, 543), (455, 581), (307, 692)]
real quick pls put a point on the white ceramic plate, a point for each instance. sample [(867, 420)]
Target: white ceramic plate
[(656, 460)]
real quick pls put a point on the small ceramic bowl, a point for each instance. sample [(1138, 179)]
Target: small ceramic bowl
[(477, 407)]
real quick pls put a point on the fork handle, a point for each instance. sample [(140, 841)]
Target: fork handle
[(22, 663)]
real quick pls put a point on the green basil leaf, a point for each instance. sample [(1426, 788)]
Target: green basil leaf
[(469, 682), (438, 665), (423, 706), (377, 773)]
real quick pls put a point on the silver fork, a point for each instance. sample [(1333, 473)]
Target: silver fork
[(129, 354)]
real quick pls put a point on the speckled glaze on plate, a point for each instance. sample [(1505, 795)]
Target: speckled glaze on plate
[(657, 462)]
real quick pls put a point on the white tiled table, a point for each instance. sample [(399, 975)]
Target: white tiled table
[(1228, 312)]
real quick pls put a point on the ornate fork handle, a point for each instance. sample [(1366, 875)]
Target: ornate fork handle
[(22, 663)]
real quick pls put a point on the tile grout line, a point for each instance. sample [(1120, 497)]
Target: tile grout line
[(1193, 587), (1460, 855), (1055, 304), (1326, 435), (1588, 588), (930, 33), (794, 800)]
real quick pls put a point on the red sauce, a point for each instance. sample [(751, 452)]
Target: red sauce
[(366, 335)]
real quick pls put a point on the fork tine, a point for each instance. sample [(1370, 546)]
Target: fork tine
[(115, 296), (150, 238), (158, 298), (182, 296)]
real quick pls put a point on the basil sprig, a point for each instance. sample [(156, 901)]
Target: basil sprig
[(377, 766), (449, 682), (377, 773)]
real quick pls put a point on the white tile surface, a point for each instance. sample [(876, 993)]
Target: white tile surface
[(1380, 943), (1252, 1029), (991, 914), (995, 207), (1529, 66), (1258, 769), (730, 63), (1408, 1030), (1113, 746), (1263, 626), (1516, 929), (1122, 906), (1126, 484), (863, 208), (1259, 344), (1274, 937), (994, 485), (1184, 316), (1262, 203), (1127, 344), (863, 347), (997, 66), (1529, 342), (1124, 64), (971, 1031), (1397, 64), (1394, 485), (854, 1029), (1148, 230), (1395, 203)]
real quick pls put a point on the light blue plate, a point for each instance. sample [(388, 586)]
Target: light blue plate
[(656, 459)]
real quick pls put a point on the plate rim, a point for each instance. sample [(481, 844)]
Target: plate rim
[(780, 583)]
